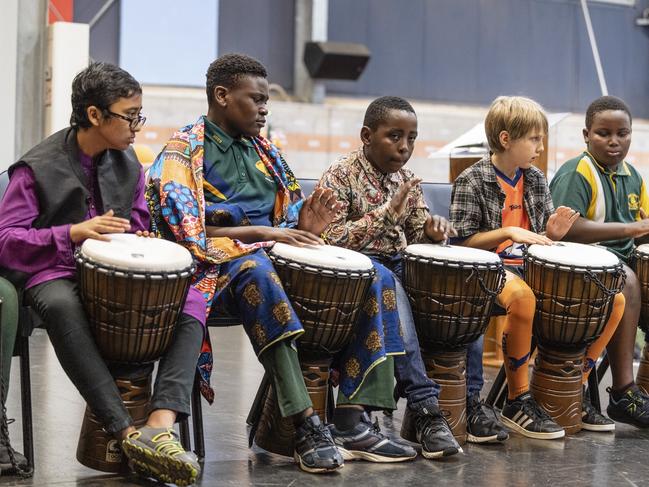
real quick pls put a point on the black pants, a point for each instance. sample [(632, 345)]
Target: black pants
[(59, 305)]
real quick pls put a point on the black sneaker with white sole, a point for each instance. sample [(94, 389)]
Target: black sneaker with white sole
[(315, 451), (366, 442), (482, 424), (434, 434), (592, 419), (526, 417)]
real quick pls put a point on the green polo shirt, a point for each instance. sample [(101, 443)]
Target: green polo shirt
[(602, 194), (235, 173)]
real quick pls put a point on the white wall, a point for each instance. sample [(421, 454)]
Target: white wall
[(8, 54)]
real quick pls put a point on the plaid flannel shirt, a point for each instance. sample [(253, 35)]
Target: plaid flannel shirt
[(477, 199)]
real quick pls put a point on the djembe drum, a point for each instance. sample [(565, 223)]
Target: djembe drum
[(133, 289), (574, 285), (451, 291), (327, 286), (641, 267)]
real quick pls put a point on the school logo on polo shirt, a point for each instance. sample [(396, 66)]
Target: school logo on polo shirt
[(634, 202)]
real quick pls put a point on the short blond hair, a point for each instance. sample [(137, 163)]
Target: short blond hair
[(515, 114)]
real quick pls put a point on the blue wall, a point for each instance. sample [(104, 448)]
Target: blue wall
[(470, 51)]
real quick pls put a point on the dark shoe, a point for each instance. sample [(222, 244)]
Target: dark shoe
[(6, 465), (366, 442), (592, 419), (631, 408), (482, 424), (525, 416), (157, 453), (434, 434), (315, 451)]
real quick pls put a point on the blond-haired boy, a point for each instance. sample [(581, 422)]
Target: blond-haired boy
[(501, 204)]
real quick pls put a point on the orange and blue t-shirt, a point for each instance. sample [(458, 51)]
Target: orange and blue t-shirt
[(513, 215)]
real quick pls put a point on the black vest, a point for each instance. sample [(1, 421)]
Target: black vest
[(61, 185)]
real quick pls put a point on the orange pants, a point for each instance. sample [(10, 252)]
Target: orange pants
[(520, 303)]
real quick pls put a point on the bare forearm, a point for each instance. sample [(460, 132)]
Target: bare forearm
[(246, 234), (588, 231), (486, 240)]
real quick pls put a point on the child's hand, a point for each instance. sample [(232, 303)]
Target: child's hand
[(318, 211), (560, 222), (145, 233), (520, 235), (438, 229), (97, 226), (399, 201)]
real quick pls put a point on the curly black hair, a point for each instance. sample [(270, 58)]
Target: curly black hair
[(604, 103), (100, 85), (228, 69), (378, 110)]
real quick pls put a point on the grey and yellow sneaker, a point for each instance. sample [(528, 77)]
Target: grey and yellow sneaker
[(631, 408), (157, 453), (315, 451), (366, 442)]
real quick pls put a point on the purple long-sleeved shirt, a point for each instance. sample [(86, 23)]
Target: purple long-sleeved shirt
[(48, 253)]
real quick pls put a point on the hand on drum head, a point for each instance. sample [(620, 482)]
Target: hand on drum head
[(145, 233), (639, 228), (520, 235), (291, 236), (318, 211), (95, 227), (560, 222), (399, 201), (438, 228)]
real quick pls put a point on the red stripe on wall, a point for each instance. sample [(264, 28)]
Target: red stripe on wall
[(60, 11)]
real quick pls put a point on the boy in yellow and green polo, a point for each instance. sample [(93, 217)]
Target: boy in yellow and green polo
[(612, 197)]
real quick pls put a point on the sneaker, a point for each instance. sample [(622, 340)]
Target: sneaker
[(632, 408), (525, 416), (366, 442), (592, 419), (482, 424), (434, 434), (315, 451), (157, 453)]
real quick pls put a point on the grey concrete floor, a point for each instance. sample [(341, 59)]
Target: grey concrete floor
[(585, 459)]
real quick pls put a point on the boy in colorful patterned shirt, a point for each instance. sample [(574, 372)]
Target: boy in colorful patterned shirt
[(612, 197), (383, 212), (500, 204)]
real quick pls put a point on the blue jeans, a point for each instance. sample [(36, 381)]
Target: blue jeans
[(412, 381)]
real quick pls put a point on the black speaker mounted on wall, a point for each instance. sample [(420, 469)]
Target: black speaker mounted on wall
[(335, 60)]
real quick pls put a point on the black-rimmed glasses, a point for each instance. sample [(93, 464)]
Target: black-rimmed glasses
[(133, 122)]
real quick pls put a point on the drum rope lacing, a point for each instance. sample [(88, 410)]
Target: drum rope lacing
[(620, 274), (476, 272)]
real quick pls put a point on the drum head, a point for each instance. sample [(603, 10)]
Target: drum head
[(327, 256), (129, 252), (453, 253), (574, 254), (643, 249)]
